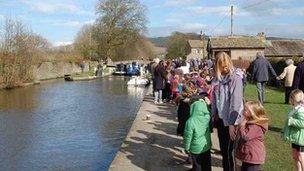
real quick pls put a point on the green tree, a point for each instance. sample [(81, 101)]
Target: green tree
[(177, 44), (120, 24)]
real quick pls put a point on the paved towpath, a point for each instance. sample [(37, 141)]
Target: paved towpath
[(153, 144)]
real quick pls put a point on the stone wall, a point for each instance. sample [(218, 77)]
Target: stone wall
[(50, 70), (247, 54)]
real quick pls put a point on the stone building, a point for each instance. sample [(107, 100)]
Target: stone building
[(245, 47), (237, 47), (196, 49), (284, 48)]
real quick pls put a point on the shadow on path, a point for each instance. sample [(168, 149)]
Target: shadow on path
[(153, 144)]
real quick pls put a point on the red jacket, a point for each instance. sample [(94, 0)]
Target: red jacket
[(250, 147)]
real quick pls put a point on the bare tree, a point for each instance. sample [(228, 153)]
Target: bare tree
[(85, 44), (18, 50), (119, 23)]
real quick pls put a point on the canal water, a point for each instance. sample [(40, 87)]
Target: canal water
[(66, 125)]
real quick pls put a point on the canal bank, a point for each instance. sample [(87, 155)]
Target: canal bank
[(152, 144)]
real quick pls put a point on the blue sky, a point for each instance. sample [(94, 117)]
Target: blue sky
[(59, 21)]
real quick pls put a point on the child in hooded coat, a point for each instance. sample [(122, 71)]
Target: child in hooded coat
[(294, 128), (250, 148), (197, 137)]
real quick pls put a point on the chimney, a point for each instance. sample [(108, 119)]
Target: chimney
[(262, 36), (202, 35)]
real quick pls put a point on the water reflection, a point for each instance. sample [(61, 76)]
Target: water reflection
[(65, 125), (18, 99)]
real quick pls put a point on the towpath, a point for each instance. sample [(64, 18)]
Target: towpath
[(153, 144)]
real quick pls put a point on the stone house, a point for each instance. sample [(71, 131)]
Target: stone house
[(245, 47), (196, 49), (237, 47), (284, 48)]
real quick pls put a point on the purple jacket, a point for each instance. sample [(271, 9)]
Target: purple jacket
[(298, 79), (227, 99), (250, 147)]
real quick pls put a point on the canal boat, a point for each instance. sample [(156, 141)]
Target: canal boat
[(138, 81), (75, 78), (130, 69), (121, 69)]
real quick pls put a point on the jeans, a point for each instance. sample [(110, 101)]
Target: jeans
[(158, 94), (261, 91)]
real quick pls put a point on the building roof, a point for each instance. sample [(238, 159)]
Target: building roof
[(197, 43), (284, 48), (240, 42)]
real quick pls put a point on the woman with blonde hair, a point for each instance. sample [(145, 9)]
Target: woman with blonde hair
[(227, 105)]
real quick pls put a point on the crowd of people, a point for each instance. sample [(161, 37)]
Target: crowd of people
[(210, 94)]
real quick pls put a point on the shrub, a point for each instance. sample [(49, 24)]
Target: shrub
[(241, 63), (279, 64), (19, 49)]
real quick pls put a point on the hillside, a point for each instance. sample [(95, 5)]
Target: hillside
[(163, 41), (160, 41)]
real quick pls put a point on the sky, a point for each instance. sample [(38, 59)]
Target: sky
[(59, 21)]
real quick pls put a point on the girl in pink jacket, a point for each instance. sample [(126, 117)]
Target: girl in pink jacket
[(250, 148)]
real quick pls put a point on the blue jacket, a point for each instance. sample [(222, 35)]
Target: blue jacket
[(261, 68)]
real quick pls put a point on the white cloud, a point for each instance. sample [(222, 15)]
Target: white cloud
[(241, 12), (2, 17), (286, 1), (277, 30), (246, 12), (288, 11), (219, 10), (173, 20), (172, 3), (71, 24), (193, 27), (176, 18), (185, 28), (273, 8), (52, 8), (61, 43)]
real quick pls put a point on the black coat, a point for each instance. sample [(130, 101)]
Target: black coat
[(261, 68), (298, 79), (159, 77), (183, 114)]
